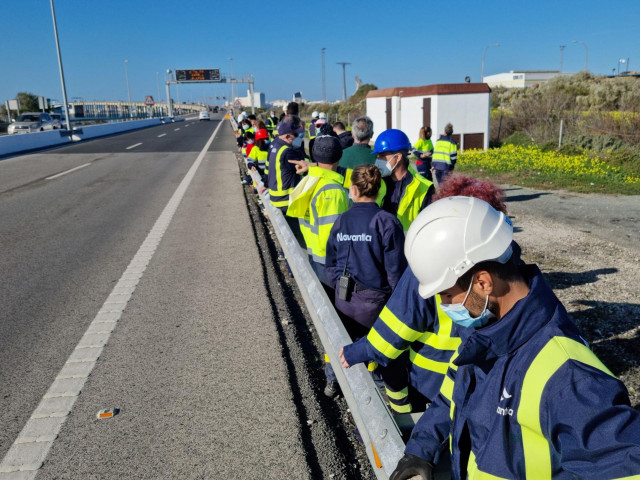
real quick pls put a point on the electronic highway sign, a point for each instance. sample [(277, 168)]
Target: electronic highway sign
[(199, 75)]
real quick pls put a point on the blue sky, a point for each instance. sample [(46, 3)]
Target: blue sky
[(402, 43)]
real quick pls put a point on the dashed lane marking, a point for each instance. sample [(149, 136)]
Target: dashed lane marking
[(161, 135), (176, 129), (133, 146), (30, 449), (67, 171)]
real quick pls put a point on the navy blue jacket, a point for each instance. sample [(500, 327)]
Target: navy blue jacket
[(526, 398), (374, 241)]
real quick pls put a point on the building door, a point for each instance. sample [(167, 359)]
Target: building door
[(473, 140), (426, 112), (388, 112), (456, 138)]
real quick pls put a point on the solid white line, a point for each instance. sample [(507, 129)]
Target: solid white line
[(161, 135), (31, 447), (67, 171), (134, 146)]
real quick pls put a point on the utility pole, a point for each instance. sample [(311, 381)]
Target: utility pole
[(561, 54), (344, 80), (324, 85)]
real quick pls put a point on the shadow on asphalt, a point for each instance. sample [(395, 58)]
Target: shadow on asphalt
[(525, 198), (562, 280)]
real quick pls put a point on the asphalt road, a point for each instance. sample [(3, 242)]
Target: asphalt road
[(196, 364)]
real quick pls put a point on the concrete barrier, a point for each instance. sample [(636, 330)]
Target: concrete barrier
[(12, 144)]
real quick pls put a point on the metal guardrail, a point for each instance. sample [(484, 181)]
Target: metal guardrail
[(376, 424)]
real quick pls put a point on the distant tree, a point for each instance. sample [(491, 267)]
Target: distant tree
[(28, 102)]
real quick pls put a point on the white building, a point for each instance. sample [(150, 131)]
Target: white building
[(465, 105), (522, 78), (258, 100)]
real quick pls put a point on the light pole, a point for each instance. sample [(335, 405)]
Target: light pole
[(484, 53), (344, 80), (586, 54), (64, 88), (233, 89), (561, 53), (324, 85), (126, 76)]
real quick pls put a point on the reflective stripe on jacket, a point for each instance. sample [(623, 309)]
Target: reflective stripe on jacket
[(325, 204), (526, 398), (445, 154), (282, 177), (410, 322), (412, 199)]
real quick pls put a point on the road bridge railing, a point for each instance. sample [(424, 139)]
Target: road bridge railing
[(380, 432)]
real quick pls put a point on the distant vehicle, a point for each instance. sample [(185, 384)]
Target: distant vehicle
[(215, 109), (58, 121), (204, 115), (31, 122)]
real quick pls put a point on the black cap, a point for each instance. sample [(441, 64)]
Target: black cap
[(326, 149)]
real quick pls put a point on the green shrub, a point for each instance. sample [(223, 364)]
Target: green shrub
[(519, 139), (627, 158)]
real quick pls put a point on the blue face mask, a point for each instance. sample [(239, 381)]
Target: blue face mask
[(459, 314)]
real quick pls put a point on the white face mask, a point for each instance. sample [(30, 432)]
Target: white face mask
[(385, 167)]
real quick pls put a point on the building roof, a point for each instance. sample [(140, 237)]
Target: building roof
[(440, 89)]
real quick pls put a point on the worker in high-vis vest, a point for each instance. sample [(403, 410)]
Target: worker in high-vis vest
[(524, 397), (408, 192), (282, 177), (445, 155), (271, 123), (409, 323), (258, 155), (318, 201)]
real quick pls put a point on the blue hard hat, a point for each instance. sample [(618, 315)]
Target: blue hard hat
[(391, 140)]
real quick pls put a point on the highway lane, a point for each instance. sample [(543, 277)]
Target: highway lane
[(65, 241), (196, 363)]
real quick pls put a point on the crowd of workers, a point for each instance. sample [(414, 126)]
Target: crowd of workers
[(424, 273)]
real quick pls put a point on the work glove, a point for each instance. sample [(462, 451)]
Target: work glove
[(410, 466)]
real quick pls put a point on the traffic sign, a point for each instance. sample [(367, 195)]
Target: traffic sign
[(149, 101), (237, 104)]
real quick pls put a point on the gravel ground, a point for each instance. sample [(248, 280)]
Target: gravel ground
[(588, 246)]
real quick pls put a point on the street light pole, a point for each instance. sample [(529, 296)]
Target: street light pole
[(586, 54), (126, 75), (233, 89), (561, 53), (64, 88), (324, 85), (484, 53), (344, 80)]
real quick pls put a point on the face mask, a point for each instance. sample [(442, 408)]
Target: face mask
[(459, 314), (250, 142), (385, 167), (245, 127), (297, 142)]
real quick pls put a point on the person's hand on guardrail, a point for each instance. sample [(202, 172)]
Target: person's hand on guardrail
[(345, 364), (302, 166), (409, 466)]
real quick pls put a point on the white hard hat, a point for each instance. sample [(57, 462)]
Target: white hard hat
[(314, 114), (452, 235), (322, 115)]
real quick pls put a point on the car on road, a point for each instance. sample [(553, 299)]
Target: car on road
[(204, 115), (58, 121), (31, 122)]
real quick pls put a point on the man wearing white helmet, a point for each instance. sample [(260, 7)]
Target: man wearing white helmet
[(312, 124), (524, 396)]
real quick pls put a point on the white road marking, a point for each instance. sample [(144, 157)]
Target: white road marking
[(133, 146), (67, 171), (30, 449), (161, 135), (176, 129)]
